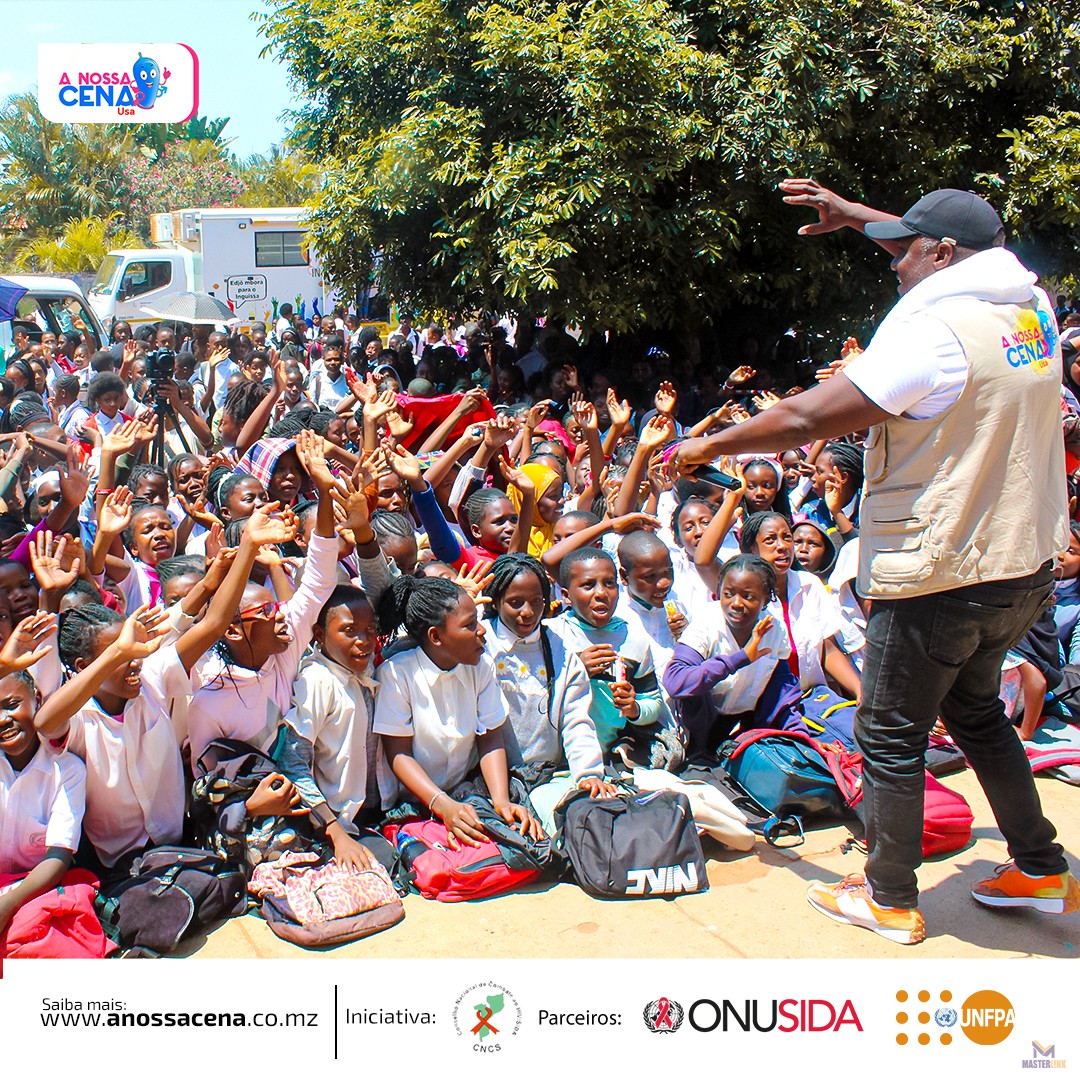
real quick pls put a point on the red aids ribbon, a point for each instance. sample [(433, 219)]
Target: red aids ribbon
[(662, 1018), (484, 1022)]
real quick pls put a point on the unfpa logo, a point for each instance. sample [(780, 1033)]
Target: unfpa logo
[(986, 1018)]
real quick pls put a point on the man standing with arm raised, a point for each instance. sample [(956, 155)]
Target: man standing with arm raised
[(964, 510)]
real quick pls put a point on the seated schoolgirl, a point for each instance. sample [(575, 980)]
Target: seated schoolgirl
[(815, 549), (336, 760), (546, 494), (114, 710), (546, 687), (247, 681), (837, 484), (688, 524), (439, 707), (804, 607), (42, 792), (616, 654), (729, 670)]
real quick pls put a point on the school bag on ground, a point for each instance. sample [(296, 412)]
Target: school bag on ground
[(230, 771), (470, 873), (947, 819), (829, 717), (634, 845), (763, 822), (60, 924), (1054, 750), (312, 902), (790, 773), (714, 813), (170, 893), (943, 756)]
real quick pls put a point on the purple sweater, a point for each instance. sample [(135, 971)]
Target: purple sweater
[(690, 679)]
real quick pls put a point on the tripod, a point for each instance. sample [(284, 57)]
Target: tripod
[(163, 409)]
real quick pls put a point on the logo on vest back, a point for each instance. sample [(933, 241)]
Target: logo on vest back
[(661, 880), (1031, 342)]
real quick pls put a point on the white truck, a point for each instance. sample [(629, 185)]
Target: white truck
[(253, 258), (49, 303)]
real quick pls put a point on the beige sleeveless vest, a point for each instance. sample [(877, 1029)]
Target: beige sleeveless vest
[(978, 492)]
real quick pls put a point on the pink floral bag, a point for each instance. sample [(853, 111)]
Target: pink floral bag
[(311, 902)]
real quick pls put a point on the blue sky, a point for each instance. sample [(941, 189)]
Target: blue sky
[(234, 81)]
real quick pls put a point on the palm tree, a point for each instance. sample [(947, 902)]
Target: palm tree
[(53, 172), (279, 178), (79, 248)]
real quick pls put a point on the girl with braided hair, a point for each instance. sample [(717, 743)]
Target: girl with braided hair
[(546, 687), (113, 712), (837, 483), (439, 707)]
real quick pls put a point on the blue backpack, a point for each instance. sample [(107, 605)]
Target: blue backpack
[(791, 774)]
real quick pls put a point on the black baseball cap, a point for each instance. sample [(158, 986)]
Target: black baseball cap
[(948, 214)]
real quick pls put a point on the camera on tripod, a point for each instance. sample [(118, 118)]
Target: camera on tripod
[(160, 366)]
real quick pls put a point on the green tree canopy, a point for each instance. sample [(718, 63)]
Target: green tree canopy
[(615, 161)]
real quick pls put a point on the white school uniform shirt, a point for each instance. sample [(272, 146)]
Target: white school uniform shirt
[(40, 808), (688, 590), (134, 776), (73, 418), (815, 616), (234, 702), (329, 710), (441, 711), (328, 393), (568, 732), (708, 635), (654, 623), (842, 586)]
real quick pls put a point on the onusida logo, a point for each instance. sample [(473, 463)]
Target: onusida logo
[(109, 84), (662, 880), (663, 1016), (789, 1014)]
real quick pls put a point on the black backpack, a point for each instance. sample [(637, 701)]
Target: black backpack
[(170, 893), (635, 845)]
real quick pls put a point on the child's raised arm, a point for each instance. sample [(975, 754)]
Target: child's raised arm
[(262, 528), (658, 431), (523, 530), (709, 545), (141, 636)]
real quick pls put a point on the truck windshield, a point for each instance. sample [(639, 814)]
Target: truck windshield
[(108, 276)]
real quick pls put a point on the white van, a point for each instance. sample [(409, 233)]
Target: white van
[(50, 303), (253, 258)]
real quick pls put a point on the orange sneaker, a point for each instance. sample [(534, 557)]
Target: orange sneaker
[(1010, 887), (850, 901)]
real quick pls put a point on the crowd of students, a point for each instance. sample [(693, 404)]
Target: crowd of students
[(397, 570)]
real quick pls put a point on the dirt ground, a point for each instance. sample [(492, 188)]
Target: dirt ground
[(755, 908)]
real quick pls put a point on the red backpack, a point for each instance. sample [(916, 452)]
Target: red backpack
[(470, 873)]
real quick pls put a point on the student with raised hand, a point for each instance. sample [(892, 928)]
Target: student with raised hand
[(247, 681), (729, 670), (812, 617), (113, 712), (440, 709)]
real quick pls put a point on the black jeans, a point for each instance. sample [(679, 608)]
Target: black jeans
[(942, 654)]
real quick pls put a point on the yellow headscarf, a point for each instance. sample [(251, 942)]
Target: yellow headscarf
[(540, 536)]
